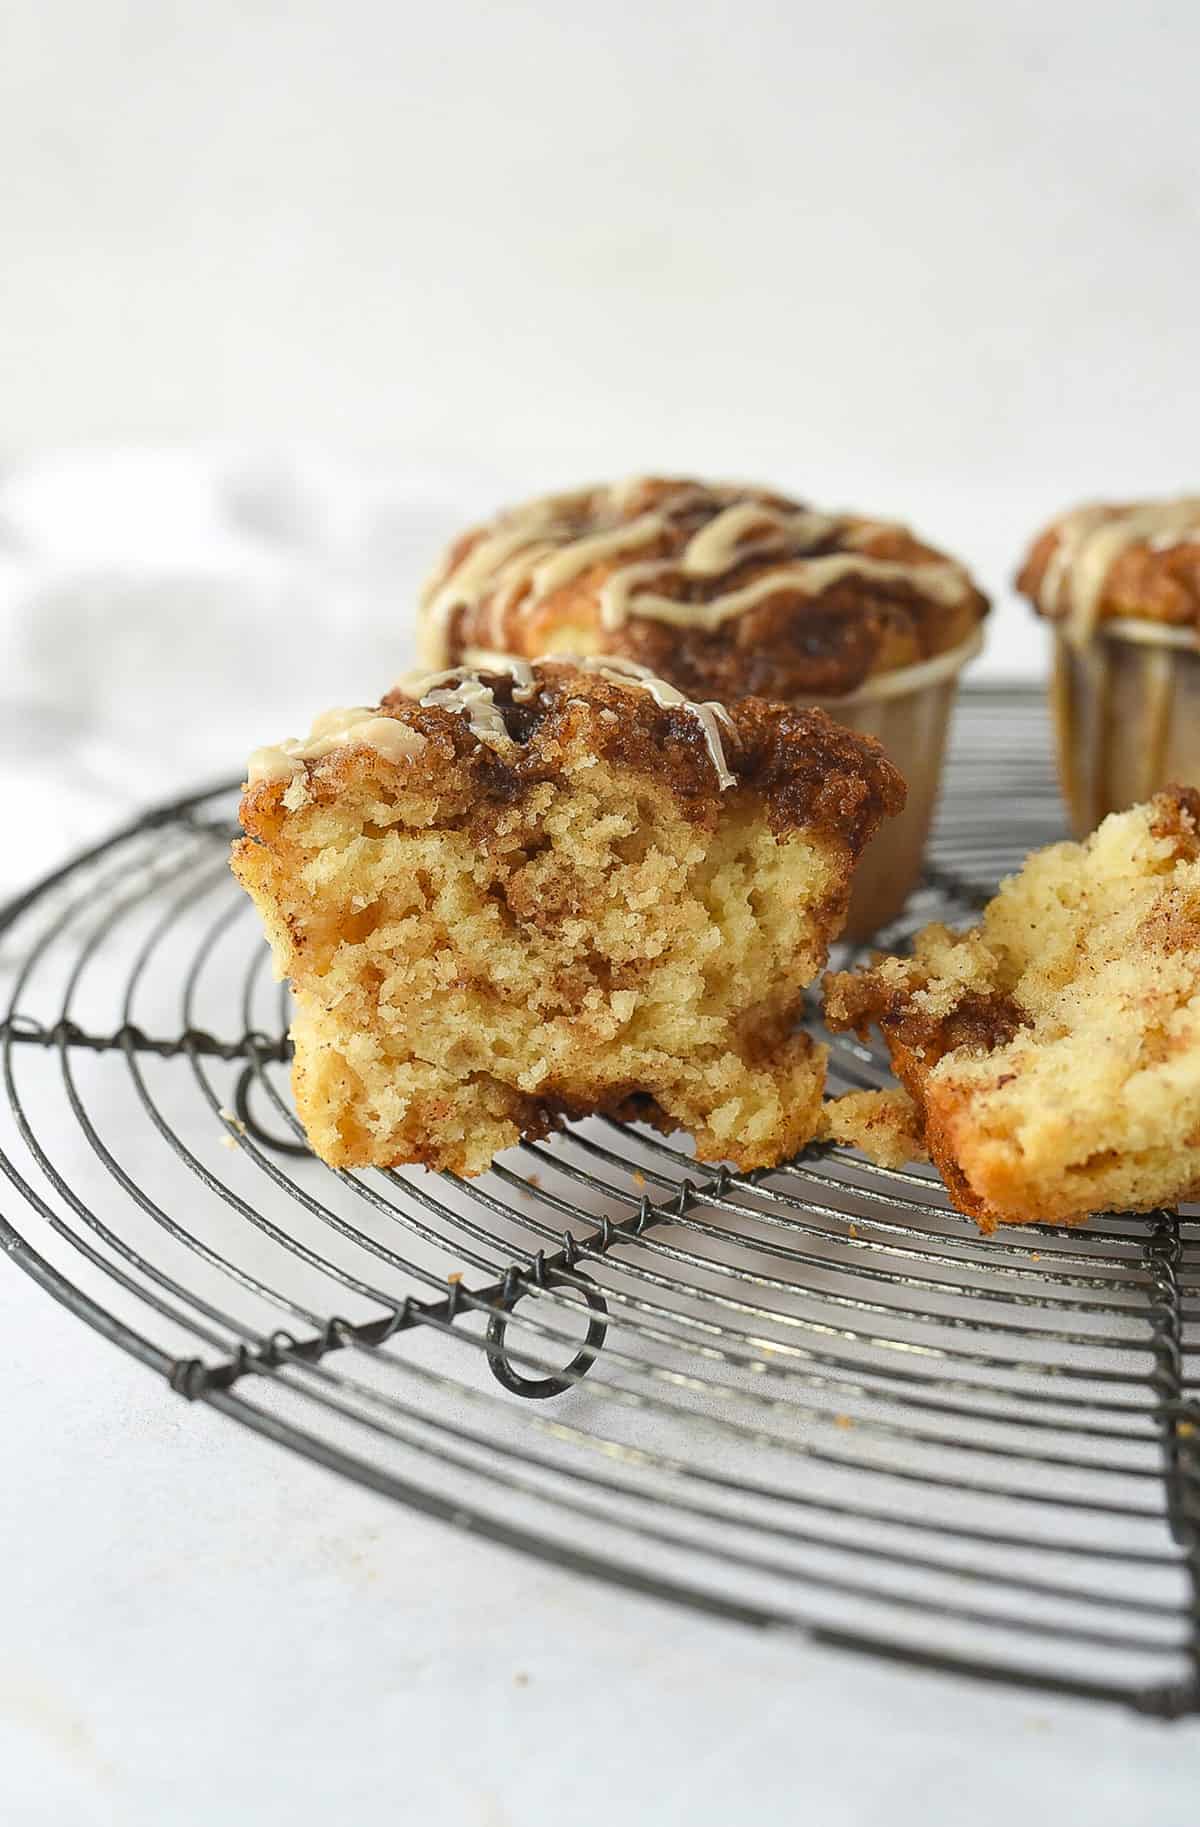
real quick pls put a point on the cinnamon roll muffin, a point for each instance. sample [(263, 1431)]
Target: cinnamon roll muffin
[(728, 591), (506, 896), (1120, 586)]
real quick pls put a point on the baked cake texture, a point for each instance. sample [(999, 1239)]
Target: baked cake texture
[(1053, 1051), (1117, 560), (884, 1125), (726, 590), (508, 896)]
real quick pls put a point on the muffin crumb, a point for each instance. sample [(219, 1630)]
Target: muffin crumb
[(883, 1125)]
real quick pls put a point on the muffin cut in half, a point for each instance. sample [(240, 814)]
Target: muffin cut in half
[(506, 896), (1053, 1051), (726, 590)]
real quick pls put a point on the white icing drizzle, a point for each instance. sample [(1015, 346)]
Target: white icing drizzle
[(490, 659), (552, 573), (621, 584), (710, 716), (942, 580), (624, 494), (856, 535), (471, 698), (525, 685), (357, 727), (723, 543), (517, 577), (536, 549), (483, 567), (461, 689), (1090, 541)]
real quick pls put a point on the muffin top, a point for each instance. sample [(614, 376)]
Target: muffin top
[(492, 735), (726, 590), (1108, 560)]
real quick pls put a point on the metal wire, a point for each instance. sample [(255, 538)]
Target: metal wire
[(812, 1399)]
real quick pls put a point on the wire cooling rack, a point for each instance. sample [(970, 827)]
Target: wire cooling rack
[(814, 1399)]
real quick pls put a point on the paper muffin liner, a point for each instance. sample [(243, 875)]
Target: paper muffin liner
[(1126, 715), (908, 711)]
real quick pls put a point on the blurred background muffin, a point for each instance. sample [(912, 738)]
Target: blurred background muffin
[(1120, 584), (729, 590)]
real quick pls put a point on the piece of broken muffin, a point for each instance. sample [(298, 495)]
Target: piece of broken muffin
[(556, 889), (1053, 1051)]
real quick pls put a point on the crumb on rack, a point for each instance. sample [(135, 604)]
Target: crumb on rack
[(883, 1125)]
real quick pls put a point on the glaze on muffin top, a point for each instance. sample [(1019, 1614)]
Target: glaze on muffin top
[(497, 732), (1110, 560), (723, 589)]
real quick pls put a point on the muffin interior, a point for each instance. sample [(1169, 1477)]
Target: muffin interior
[(483, 937), (1054, 1051)]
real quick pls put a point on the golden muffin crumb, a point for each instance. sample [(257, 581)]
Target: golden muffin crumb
[(506, 897), (1053, 1051), (883, 1125)]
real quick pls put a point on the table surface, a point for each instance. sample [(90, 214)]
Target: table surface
[(199, 1626)]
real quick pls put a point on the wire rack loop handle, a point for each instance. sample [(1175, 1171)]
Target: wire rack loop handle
[(515, 1289)]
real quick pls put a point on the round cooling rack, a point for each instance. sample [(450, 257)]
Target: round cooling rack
[(815, 1399)]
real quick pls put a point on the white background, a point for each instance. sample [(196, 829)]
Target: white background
[(939, 260), (287, 291)]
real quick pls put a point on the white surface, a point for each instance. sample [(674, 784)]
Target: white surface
[(198, 1627)]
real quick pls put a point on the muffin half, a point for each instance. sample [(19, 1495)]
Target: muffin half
[(507, 896), (1120, 585), (1053, 1052), (726, 591)]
